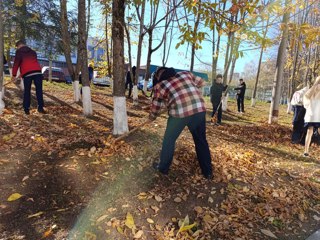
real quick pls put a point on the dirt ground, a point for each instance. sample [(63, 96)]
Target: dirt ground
[(62, 176)]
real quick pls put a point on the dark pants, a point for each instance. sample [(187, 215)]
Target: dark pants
[(27, 81), (240, 102), (298, 135), (197, 126), (129, 86), (215, 109)]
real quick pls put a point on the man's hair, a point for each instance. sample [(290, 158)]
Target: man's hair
[(166, 73), (20, 42), (241, 79), (219, 76)]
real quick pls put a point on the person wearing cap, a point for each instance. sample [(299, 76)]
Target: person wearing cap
[(216, 91), (181, 94)]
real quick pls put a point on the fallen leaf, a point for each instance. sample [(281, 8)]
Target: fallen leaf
[(268, 233), (129, 221), (177, 199), (149, 220), (158, 198), (35, 215), (138, 234), (25, 178), (198, 209), (14, 197), (102, 218), (315, 217), (155, 209), (210, 200)]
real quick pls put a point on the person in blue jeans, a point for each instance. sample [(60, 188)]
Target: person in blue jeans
[(181, 93)]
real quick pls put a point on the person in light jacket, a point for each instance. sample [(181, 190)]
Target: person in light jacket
[(311, 102)]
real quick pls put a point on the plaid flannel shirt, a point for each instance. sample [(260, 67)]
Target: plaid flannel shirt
[(181, 94)]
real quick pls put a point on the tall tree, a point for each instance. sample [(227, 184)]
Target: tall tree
[(120, 119), (83, 58), (278, 79)]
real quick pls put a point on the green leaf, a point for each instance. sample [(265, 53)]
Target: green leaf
[(129, 221)]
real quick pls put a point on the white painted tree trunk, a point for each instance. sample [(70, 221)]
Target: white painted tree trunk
[(2, 104), (289, 106), (225, 103), (120, 119), (145, 86), (50, 70), (86, 101), (253, 102), (76, 91), (135, 95)]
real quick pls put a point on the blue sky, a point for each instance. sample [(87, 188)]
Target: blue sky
[(179, 58)]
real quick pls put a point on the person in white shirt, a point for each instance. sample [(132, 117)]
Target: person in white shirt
[(311, 102)]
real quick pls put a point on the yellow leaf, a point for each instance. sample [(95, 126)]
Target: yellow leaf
[(138, 234), (14, 197), (120, 230), (35, 215), (198, 209), (129, 221), (90, 236), (8, 137), (188, 227)]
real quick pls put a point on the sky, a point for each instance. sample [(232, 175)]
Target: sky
[(179, 58)]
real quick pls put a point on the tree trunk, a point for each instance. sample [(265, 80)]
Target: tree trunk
[(195, 30), (83, 57), (50, 69), (107, 48), (120, 119), (276, 92), (66, 38), (141, 35), (2, 105)]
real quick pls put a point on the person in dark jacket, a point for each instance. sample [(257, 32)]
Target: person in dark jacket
[(216, 91), (4, 60), (129, 82), (240, 95), (30, 69)]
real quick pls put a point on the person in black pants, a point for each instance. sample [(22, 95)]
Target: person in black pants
[(216, 91), (30, 69), (240, 95), (129, 82)]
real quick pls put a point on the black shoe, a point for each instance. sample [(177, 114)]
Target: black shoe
[(27, 112), (41, 110), (208, 177), (306, 154), (156, 167)]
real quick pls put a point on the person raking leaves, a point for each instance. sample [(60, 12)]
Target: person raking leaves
[(181, 94)]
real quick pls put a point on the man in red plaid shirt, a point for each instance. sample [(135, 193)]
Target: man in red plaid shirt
[(181, 94)]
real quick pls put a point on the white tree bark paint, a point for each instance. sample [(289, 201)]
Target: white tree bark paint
[(76, 91), (120, 119), (289, 106), (145, 85), (253, 102), (225, 103), (86, 101), (135, 95)]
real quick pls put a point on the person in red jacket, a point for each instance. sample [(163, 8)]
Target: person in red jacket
[(30, 69)]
